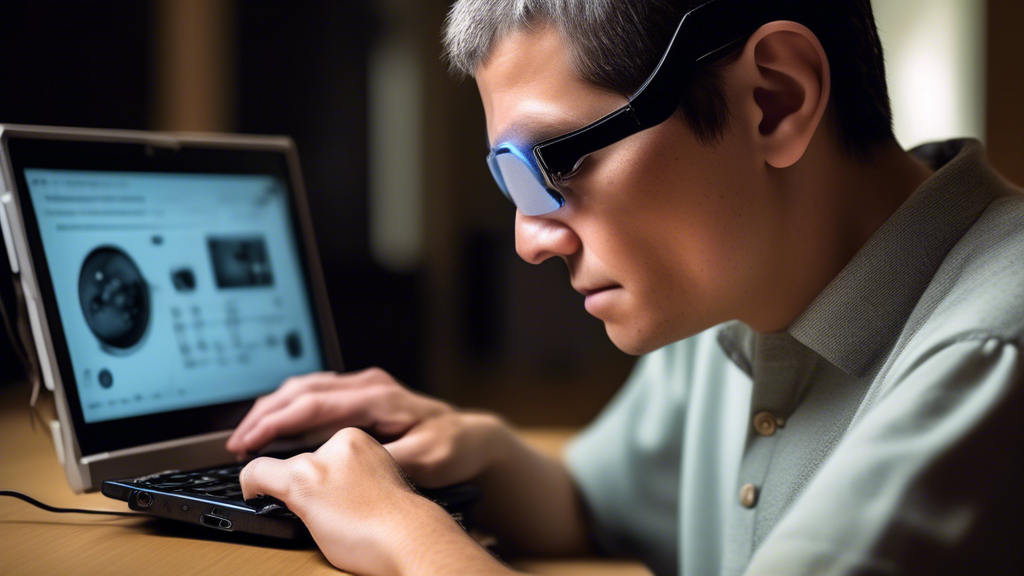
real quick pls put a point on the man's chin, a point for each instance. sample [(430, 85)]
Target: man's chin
[(632, 340), (639, 339)]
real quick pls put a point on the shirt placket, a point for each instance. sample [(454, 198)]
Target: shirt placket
[(780, 369)]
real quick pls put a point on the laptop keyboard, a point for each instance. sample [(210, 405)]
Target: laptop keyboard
[(219, 482), (222, 483)]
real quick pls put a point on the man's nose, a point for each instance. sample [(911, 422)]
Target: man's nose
[(538, 238)]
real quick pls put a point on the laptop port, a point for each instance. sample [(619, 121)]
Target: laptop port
[(144, 499), (215, 522)]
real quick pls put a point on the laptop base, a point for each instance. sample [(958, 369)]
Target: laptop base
[(212, 498)]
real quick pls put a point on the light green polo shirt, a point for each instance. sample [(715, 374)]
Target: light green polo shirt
[(879, 434)]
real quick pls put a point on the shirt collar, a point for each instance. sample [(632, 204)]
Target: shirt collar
[(860, 314)]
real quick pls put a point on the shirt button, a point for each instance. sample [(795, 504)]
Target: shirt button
[(748, 495), (765, 423)]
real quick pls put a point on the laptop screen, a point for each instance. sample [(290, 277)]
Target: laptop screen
[(177, 282), (174, 290)]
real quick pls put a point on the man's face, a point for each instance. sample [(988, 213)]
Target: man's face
[(665, 236)]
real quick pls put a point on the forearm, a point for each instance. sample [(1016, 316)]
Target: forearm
[(530, 502), (433, 543)]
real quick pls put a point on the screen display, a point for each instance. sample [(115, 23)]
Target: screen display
[(174, 290)]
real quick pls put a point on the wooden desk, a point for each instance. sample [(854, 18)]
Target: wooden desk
[(35, 542)]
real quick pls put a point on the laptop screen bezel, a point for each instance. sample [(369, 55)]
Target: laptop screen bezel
[(189, 157)]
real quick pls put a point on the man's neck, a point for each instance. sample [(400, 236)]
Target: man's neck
[(834, 204)]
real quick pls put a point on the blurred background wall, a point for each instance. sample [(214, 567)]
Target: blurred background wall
[(417, 244)]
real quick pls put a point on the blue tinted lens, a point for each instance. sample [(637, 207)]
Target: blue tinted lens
[(492, 163), (522, 184)]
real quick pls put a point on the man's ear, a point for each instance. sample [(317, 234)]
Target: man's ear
[(783, 76)]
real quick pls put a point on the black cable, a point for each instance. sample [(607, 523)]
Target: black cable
[(49, 508)]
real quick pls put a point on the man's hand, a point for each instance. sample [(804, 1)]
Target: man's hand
[(432, 442), (362, 512), (529, 500)]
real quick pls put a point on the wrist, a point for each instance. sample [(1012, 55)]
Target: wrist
[(499, 444), (430, 541)]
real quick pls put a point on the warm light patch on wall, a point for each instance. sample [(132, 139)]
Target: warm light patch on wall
[(395, 99), (935, 63)]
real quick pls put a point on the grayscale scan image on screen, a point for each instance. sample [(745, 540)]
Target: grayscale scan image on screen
[(174, 290)]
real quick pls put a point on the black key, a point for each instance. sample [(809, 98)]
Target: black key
[(154, 477), (211, 489)]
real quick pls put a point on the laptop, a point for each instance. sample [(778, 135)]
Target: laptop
[(169, 280)]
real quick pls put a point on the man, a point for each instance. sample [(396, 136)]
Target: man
[(831, 325)]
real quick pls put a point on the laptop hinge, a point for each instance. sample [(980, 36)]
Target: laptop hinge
[(58, 442)]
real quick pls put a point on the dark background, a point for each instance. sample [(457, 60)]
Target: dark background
[(467, 320)]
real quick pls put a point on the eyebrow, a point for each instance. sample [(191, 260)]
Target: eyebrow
[(536, 129)]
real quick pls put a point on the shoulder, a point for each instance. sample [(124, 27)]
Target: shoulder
[(975, 302), (978, 291)]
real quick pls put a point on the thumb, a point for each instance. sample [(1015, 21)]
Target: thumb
[(409, 453), (265, 477), (407, 450), (426, 461)]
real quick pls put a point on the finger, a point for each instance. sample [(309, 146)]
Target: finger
[(266, 477), (263, 405), (302, 413), (295, 387), (276, 400), (287, 391), (312, 410), (412, 453), (408, 449)]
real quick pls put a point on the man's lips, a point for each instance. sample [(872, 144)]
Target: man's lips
[(591, 291), (599, 298)]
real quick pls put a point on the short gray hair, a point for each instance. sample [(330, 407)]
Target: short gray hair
[(474, 25), (614, 44)]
